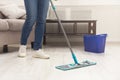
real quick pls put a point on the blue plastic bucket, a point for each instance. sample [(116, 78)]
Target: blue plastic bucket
[(95, 43)]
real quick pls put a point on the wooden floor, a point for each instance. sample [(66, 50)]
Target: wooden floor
[(107, 68)]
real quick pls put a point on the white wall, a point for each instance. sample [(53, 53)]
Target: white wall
[(87, 2), (72, 2), (108, 21), (11, 2), (107, 16), (106, 12)]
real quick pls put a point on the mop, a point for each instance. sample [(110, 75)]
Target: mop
[(76, 64)]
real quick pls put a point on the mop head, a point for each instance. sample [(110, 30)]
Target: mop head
[(75, 66)]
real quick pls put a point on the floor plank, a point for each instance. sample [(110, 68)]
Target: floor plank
[(28, 68)]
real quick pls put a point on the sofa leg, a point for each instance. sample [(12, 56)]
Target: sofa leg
[(32, 44), (5, 48), (44, 40)]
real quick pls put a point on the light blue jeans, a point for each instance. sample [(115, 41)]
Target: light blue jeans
[(36, 11)]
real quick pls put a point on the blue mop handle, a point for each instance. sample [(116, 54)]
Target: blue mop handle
[(68, 42), (74, 58), (54, 8)]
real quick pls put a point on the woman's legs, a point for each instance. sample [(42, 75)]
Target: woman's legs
[(31, 12), (31, 16), (40, 23), (39, 30), (36, 12)]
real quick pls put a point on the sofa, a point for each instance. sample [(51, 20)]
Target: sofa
[(11, 26)]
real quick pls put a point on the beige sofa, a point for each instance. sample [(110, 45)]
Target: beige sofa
[(10, 31)]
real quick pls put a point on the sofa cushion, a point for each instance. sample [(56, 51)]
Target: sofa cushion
[(15, 24), (12, 11), (23, 17), (4, 25), (1, 16)]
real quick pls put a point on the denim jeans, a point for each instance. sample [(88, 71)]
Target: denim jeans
[(36, 12)]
